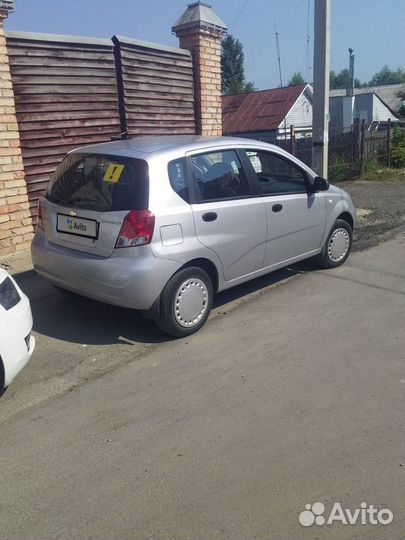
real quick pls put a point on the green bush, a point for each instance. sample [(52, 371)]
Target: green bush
[(339, 169), (371, 166), (398, 147)]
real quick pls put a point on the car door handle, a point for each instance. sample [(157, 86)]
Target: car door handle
[(209, 216), (277, 207)]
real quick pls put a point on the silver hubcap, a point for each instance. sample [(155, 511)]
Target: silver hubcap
[(191, 302), (338, 244)]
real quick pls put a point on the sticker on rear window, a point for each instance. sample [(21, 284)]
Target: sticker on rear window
[(113, 173)]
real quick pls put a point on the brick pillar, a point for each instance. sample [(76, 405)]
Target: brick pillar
[(15, 219), (200, 31)]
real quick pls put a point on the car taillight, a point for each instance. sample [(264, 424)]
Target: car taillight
[(136, 229), (40, 221)]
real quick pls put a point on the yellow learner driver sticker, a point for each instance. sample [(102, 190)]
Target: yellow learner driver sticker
[(113, 173)]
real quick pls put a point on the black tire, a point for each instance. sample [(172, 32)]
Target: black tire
[(170, 316), (325, 258)]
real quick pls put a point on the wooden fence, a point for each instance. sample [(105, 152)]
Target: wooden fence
[(66, 96), (156, 88), (71, 91)]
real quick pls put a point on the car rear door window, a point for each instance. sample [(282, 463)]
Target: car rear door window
[(100, 182), (178, 178), (275, 174), (219, 175)]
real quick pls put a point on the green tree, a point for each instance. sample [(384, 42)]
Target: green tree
[(398, 147), (387, 76), (296, 79), (233, 71), (401, 108), (342, 80)]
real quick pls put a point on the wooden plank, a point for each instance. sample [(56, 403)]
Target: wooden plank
[(62, 131), (77, 140), (45, 124), (149, 123), (155, 54), (162, 131), (171, 108), (171, 117), (157, 90), (66, 107), (68, 115), (59, 53), (128, 57), (65, 98), (65, 80), (63, 89), (140, 103), (134, 95), (34, 170), (37, 187), (37, 153), (32, 61), (156, 77), (140, 66), (71, 71), (27, 44), (42, 159)]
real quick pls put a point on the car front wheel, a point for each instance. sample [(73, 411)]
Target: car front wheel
[(337, 246), (186, 302)]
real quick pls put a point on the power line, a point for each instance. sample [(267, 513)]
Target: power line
[(237, 17), (307, 49)]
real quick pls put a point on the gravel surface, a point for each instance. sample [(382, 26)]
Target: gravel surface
[(380, 209)]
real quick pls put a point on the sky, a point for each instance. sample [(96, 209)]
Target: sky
[(375, 29)]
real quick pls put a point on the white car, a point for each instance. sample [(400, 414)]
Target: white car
[(16, 341)]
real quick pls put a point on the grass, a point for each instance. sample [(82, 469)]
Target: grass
[(384, 174)]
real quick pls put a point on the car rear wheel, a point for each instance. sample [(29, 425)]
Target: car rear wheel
[(186, 302), (337, 246)]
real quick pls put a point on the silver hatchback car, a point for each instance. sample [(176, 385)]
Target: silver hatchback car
[(161, 224)]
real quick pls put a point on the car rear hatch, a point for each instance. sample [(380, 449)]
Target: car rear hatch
[(89, 196)]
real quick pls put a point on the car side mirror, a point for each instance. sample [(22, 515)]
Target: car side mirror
[(320, 184)]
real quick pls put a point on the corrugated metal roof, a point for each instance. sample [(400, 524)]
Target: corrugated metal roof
[(387, 93), (258, 111)]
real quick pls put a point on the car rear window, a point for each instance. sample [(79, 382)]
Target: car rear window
[(100, 182)]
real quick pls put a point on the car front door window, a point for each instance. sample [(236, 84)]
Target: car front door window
[(276, 175)]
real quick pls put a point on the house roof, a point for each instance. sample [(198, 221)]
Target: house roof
[(258, 111), (387, 94)]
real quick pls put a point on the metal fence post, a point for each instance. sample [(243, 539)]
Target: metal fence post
[(362, 132), (292, 140), (389, 143), (355, 169)]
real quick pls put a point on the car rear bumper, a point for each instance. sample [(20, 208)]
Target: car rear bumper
[(131, 282), (12, 366)]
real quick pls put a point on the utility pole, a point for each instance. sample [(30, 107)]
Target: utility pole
[(278, 56), (350, 90), (320, 109)]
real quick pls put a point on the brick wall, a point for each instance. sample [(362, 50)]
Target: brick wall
[(200, 31), (205, 47), (15, 220)]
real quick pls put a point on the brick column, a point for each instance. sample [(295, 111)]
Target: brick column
[(200, 31), (15, 219)]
